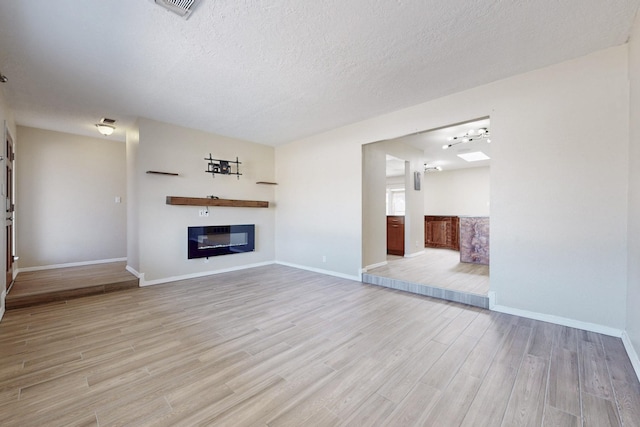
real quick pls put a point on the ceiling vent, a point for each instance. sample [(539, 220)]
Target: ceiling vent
[(179, 7), (107, 121)]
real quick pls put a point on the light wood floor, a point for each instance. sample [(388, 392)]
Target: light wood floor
[(437, 267), (61, 284), (279, 346)]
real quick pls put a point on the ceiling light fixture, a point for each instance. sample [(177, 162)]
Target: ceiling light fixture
[(105, 126), (3, 78), (471, 135), (428, 168)]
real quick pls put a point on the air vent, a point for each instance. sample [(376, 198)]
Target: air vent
[(179, 7), (106, 121)]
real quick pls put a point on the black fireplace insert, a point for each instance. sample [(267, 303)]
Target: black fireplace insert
[(220, 240)]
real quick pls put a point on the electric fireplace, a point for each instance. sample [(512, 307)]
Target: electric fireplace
[(220, 240)]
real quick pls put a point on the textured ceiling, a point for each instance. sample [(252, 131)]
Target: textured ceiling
[(272, 71)]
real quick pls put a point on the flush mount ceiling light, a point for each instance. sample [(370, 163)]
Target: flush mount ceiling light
[(105, 126), (183, 8), (475, 156), (428, 168), (471, 135)]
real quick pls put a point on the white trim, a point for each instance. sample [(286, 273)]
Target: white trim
[(144, 282), (415, 254), (593, 327), (492, 300), (321, 271), (372, 266), (631, 352), (3, 297), (132, 271), (70, 264)]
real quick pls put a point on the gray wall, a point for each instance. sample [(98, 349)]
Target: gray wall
[(66, 187), (558, 222), (633, 293)]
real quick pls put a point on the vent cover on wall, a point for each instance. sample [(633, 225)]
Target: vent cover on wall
[(179, 7)]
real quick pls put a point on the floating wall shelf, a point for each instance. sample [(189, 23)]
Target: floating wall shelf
[(163, 173), (207, 201)]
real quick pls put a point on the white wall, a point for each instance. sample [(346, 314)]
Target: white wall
[(457, 192), (6, 117), (162, 228), (66, 187), (133, 205), (374, 185), (633, 296), (319, 209), (558, 186)]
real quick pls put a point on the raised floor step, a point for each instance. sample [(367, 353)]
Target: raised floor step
[(61, 284)]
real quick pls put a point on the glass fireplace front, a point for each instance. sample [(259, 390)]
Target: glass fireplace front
[(220, 240)]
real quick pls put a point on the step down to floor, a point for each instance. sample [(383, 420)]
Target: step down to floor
[(429, 291), (56, 285)]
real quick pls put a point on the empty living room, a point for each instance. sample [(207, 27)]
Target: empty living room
[(198, 201)]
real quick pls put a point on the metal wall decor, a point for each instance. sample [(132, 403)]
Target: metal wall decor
[(223, 167)]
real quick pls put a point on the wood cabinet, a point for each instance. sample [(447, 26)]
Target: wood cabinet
[(395, 235), (441, 232)]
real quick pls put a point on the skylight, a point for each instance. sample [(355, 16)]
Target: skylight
[(475, 156)]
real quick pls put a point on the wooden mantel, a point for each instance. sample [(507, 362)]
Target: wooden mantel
[(207, 201)]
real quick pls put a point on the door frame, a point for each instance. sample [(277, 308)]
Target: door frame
[(8, 193)]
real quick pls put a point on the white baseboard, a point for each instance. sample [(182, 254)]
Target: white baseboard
[(70, 264), (631, 352), (321, 271), (144, 282), (132, 271), (372, 266), (592, 327), (415, 254)]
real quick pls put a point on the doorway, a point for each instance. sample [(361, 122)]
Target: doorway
[(455, 184)]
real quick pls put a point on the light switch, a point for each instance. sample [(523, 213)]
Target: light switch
[(118, 199)]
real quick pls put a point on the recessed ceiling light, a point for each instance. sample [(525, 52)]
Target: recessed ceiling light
[(474, 156)]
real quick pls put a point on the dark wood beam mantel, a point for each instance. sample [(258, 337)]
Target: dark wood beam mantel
[(207, 201)]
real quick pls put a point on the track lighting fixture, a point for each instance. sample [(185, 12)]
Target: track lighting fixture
[(471, 135)]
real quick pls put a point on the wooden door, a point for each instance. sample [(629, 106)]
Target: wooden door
[(9, 207)]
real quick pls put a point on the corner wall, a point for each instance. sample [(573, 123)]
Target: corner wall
[(633, 286), (374, 183), (559, 223), (162, 229), (66, 189)]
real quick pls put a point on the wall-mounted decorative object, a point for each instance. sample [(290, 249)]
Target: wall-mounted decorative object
[(222, 167)]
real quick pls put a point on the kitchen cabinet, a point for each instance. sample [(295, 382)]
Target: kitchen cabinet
[(395, 235), (441, 232)]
